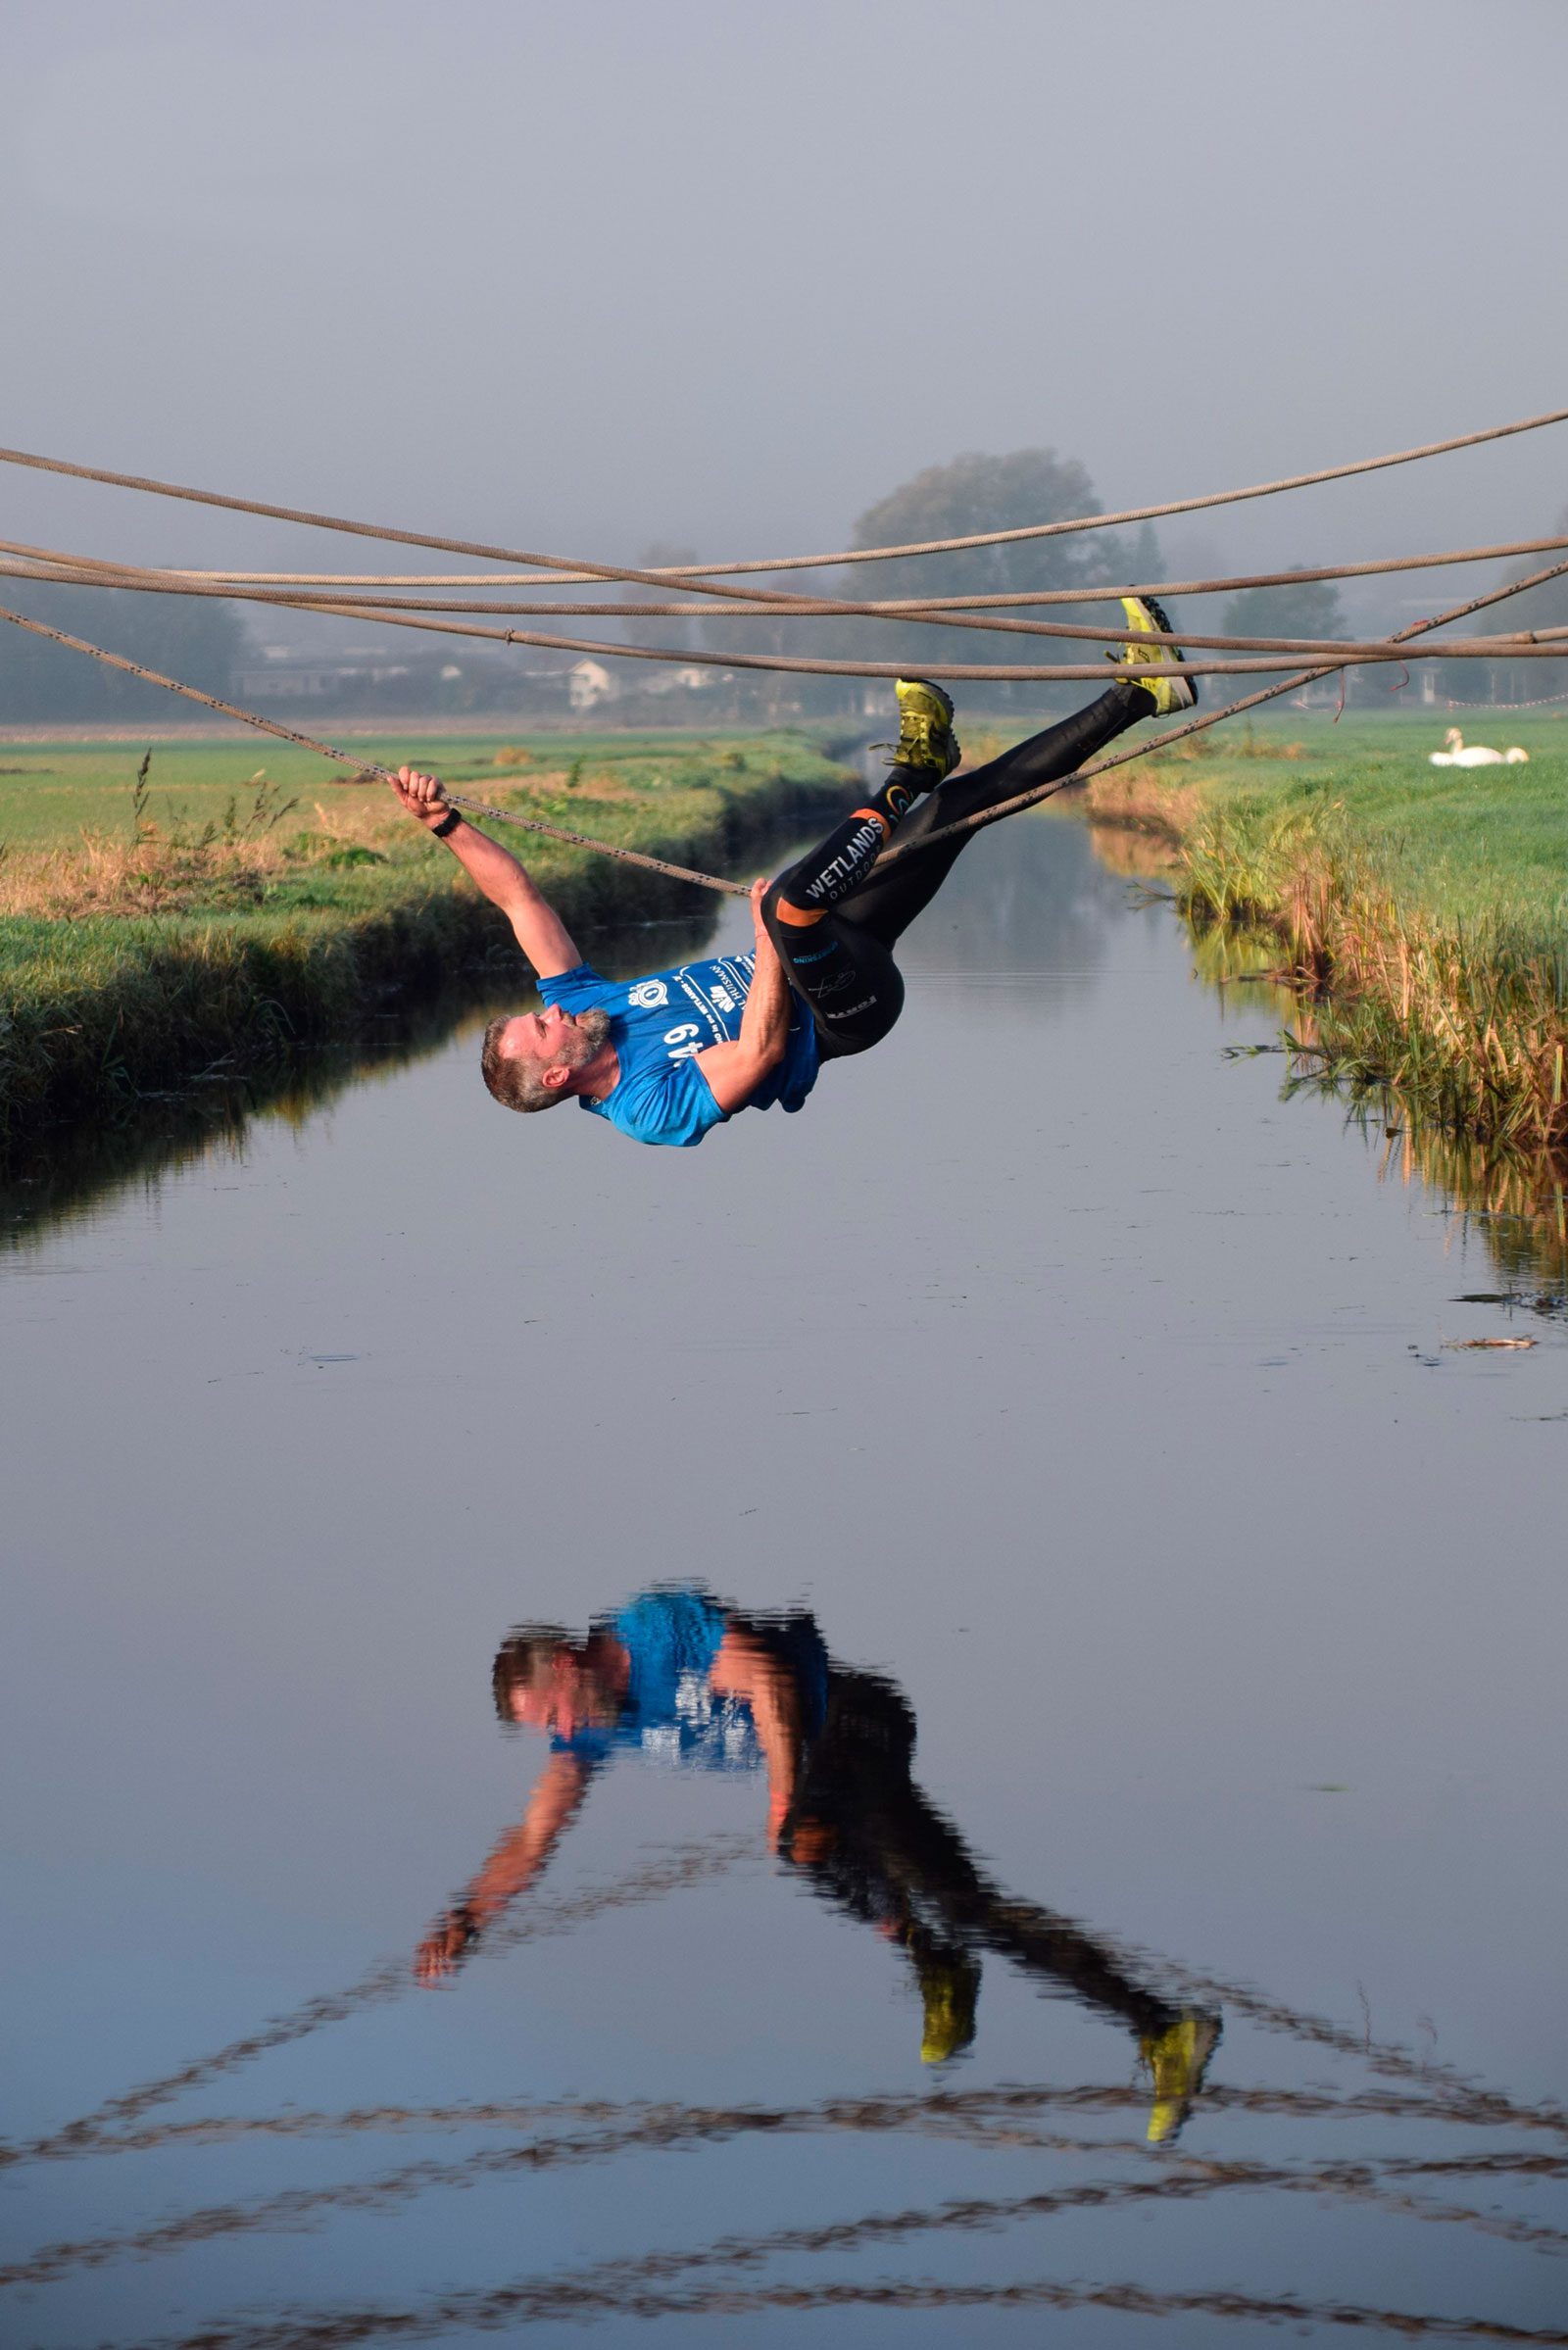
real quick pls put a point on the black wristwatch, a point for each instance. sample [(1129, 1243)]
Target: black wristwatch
[(448, 824)]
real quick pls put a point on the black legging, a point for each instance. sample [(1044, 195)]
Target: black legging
[(880, 1849), (840, 962)]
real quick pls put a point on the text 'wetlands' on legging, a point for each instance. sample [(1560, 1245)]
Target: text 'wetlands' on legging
[(835, 932)]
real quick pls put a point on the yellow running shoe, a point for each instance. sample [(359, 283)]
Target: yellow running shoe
[(950, 1988), (1176, 2057), (1171, 694), (925, 730)]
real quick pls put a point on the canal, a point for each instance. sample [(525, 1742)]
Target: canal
[(1051, 1442)]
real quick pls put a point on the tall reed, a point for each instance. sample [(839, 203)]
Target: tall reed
[(1465, 1022)]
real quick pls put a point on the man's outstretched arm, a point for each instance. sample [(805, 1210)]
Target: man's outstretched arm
[(511, 1868), (539, 930), (735, 1071)]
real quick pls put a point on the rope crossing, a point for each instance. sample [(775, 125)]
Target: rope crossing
[(389, 610), (1329, 656)]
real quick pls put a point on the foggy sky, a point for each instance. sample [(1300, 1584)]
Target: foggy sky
[(588, 274)]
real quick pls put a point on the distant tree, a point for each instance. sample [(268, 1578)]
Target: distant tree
[(198, 639), (972, 494), (978, 493)]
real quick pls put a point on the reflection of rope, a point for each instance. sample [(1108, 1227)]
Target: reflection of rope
[(568, 2297), (1188, 2177), (959, 2110), (681, 1865)]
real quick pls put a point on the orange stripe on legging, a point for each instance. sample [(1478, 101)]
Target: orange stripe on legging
[(796, 917)]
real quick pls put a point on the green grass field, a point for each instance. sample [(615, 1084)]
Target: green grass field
[(1464, 844), (50, 791)]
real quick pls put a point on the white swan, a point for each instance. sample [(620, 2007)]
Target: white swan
[(1477, 755)]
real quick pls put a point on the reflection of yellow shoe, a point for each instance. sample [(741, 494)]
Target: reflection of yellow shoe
[(1176, 2057), (925, 730), (950, 1986), (1171, 694)]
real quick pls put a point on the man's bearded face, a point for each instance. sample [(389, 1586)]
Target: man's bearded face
[(575, 1046)]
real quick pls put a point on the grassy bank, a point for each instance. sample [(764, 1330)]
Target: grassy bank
[(1420, 913), (198, 921)]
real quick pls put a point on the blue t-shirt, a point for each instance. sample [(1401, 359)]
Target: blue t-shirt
[(659, 1024), (670, 1710)]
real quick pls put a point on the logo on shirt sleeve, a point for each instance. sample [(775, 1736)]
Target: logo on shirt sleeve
[(649, 994)]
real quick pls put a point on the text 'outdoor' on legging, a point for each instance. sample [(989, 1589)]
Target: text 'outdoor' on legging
[(835, 930)]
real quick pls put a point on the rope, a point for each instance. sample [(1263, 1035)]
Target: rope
[(1231, 710), (895, 853), (140, 580), (793, 562), (1541, 701), (1535, 647), (1231, 583), (739, 889), (308, 742), (892, 855)]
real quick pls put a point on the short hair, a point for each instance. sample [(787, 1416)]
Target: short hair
[(514, 1080), (517, 1657)]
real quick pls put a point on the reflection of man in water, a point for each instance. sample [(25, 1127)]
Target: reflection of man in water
[(678, 1677), (667, 1057)]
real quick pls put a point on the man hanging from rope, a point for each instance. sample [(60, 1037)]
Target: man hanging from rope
[(669, 1057)]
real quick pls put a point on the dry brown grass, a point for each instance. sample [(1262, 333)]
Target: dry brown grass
[(102, 876), (169, 865), (166, 867)]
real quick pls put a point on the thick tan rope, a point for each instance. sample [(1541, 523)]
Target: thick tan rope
[(363, 766), (739, 889), (1536, 647), (63, 571), (1231, 583), (1231, 710), (699, 578)]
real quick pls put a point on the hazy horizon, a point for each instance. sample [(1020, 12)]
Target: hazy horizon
[(584, 280)]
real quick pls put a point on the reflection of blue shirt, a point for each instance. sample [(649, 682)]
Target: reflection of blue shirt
[(659, 1024), (670, 1711)]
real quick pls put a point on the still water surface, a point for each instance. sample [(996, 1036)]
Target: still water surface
[(1047, 1391)]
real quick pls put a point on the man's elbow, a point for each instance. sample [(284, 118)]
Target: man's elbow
[(736, 1071)]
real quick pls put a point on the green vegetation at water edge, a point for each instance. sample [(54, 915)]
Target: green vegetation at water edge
[(206, 919), (1424, 910)]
